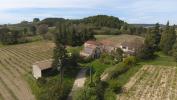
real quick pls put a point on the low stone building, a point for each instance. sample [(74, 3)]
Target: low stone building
[(39, 67), (108, 46), (91, 49)]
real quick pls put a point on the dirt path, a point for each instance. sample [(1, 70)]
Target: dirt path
[(78, 83)]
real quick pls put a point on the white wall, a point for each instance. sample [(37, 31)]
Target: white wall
[(36, 72), (126, 49)]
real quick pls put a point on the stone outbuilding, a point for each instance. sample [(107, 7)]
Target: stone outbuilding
[(39, 67)]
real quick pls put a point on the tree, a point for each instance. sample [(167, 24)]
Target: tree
[(35, 20), (33, 30), (174, 51), (118, 55), (149, 47), (9, 36), (42, 29), (156, 31), (168, 38), (25, 30), (131, 60), (59, 53)]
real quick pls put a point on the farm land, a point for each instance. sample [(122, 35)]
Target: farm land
[(15, 64), (141, 81), (152, 83)]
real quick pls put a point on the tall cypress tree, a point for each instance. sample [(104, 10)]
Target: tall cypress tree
[(60, 42), (156, 31)]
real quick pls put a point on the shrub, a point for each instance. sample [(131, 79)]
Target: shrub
[(109, 94), (113, 85), (41, 81), (131, 60), (106, 59)]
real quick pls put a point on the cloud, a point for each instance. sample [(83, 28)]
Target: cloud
[(133, 11)]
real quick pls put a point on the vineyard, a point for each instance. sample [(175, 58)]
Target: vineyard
[(15, 63), (152, 83)]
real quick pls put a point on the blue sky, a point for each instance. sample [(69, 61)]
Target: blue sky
[(131, 11)]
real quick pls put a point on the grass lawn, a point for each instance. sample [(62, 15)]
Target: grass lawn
[(161, 59)]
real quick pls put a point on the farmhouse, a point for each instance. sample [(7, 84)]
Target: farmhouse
[(95, 48), (91, 49), (40, 67), (108, 46)]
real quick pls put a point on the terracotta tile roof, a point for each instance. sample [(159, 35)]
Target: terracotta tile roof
[(46, 64)]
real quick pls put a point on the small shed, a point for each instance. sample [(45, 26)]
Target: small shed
[(41, 66)]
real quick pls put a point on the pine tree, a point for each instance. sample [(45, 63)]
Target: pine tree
[(150, 46), (157, 34), (168, 38)]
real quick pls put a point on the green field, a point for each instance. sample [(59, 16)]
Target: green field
[(161, 59)]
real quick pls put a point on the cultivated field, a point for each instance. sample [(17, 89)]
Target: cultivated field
[(15, 63), (152, 83), (119, 38)]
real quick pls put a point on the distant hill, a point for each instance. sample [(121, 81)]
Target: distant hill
[(51, 21), (104, 21)]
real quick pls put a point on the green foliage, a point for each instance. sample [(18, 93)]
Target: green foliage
[(103, 20), (9, 36), (35, 20), (168, 38), (130, 61), (174, 51), (52, 21), (49, 88), (150, 45), (118, 55), (114, 86), (161, 59), (121, 67), (75, 35), (32, 30), (109, 94), (106, 59), (91, 93)]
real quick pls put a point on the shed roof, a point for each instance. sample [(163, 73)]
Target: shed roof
[(46, 64)]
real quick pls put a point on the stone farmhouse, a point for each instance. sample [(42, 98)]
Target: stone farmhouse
[(95, 48), (91, 49)]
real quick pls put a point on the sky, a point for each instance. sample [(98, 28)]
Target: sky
[(131, 11)]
